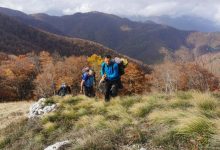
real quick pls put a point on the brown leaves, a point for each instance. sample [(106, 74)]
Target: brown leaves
[(133, 80), (170, 77), (17, 74)]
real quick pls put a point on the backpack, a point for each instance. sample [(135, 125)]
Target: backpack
[(122, 64), (89, 81), (62, 91)]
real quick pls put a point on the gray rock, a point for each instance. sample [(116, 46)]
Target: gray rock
[(39, 108), (143, 148), (58, 145)]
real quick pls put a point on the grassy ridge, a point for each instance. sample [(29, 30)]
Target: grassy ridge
[(184, 120)]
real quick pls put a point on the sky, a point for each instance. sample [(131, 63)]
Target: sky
[(208, 9)]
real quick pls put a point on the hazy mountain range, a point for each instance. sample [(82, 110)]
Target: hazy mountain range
[(190, 23), (139, 40)]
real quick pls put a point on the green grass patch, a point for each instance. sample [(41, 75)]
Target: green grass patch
[(142, 109), (128, 101), (197, 128), (49, 101), (208, 105), (184, 95), (182, 104)]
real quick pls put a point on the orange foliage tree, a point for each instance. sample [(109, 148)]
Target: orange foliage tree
[(45, 82), (18, 74), (170, 77), (133, 80), (95, 62), (55, 73)]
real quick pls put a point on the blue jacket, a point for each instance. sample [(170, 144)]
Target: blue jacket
[(89, 80), (110, 70)]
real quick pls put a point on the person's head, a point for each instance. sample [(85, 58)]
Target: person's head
[(63, 84), (86, 69), (91, 72), (107, 59)]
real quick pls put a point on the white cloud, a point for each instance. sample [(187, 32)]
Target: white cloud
[(209, 9), (159, 9)]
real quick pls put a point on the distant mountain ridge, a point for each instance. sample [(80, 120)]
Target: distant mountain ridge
[(190, 23), (138, 40), (29, 20), (17, 38), (141, 41)]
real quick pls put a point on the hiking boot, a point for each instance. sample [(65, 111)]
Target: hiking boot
[(107, 99)]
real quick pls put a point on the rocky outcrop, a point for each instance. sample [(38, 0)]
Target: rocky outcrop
[(40, 108), (58, 145)]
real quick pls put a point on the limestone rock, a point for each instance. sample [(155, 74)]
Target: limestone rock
[(58, 145), (40, 108)]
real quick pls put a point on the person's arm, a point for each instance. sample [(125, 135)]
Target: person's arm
[(115, 72), (102, 71), (81, 86), (103, 74), (84, 78)]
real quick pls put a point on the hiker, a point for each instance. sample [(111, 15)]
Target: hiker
[(64, 89), (87, 83), (110, 77)]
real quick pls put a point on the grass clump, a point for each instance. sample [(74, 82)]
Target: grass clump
[(197, 128), (50, 127), (180, 104), (128, 101), (54, 117), (83, 122), (39, 138), (208, 105), (165, 117), (98, 140), (143, 109), (184, 95), (99, 108), (49, 101), (71, 100), (188, 133)]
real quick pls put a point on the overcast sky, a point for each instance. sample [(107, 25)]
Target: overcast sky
[(209, 9)]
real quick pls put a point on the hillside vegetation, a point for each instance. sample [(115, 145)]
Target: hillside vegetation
[(32, 75), (210, 62), (18, 38), (185, 120)]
